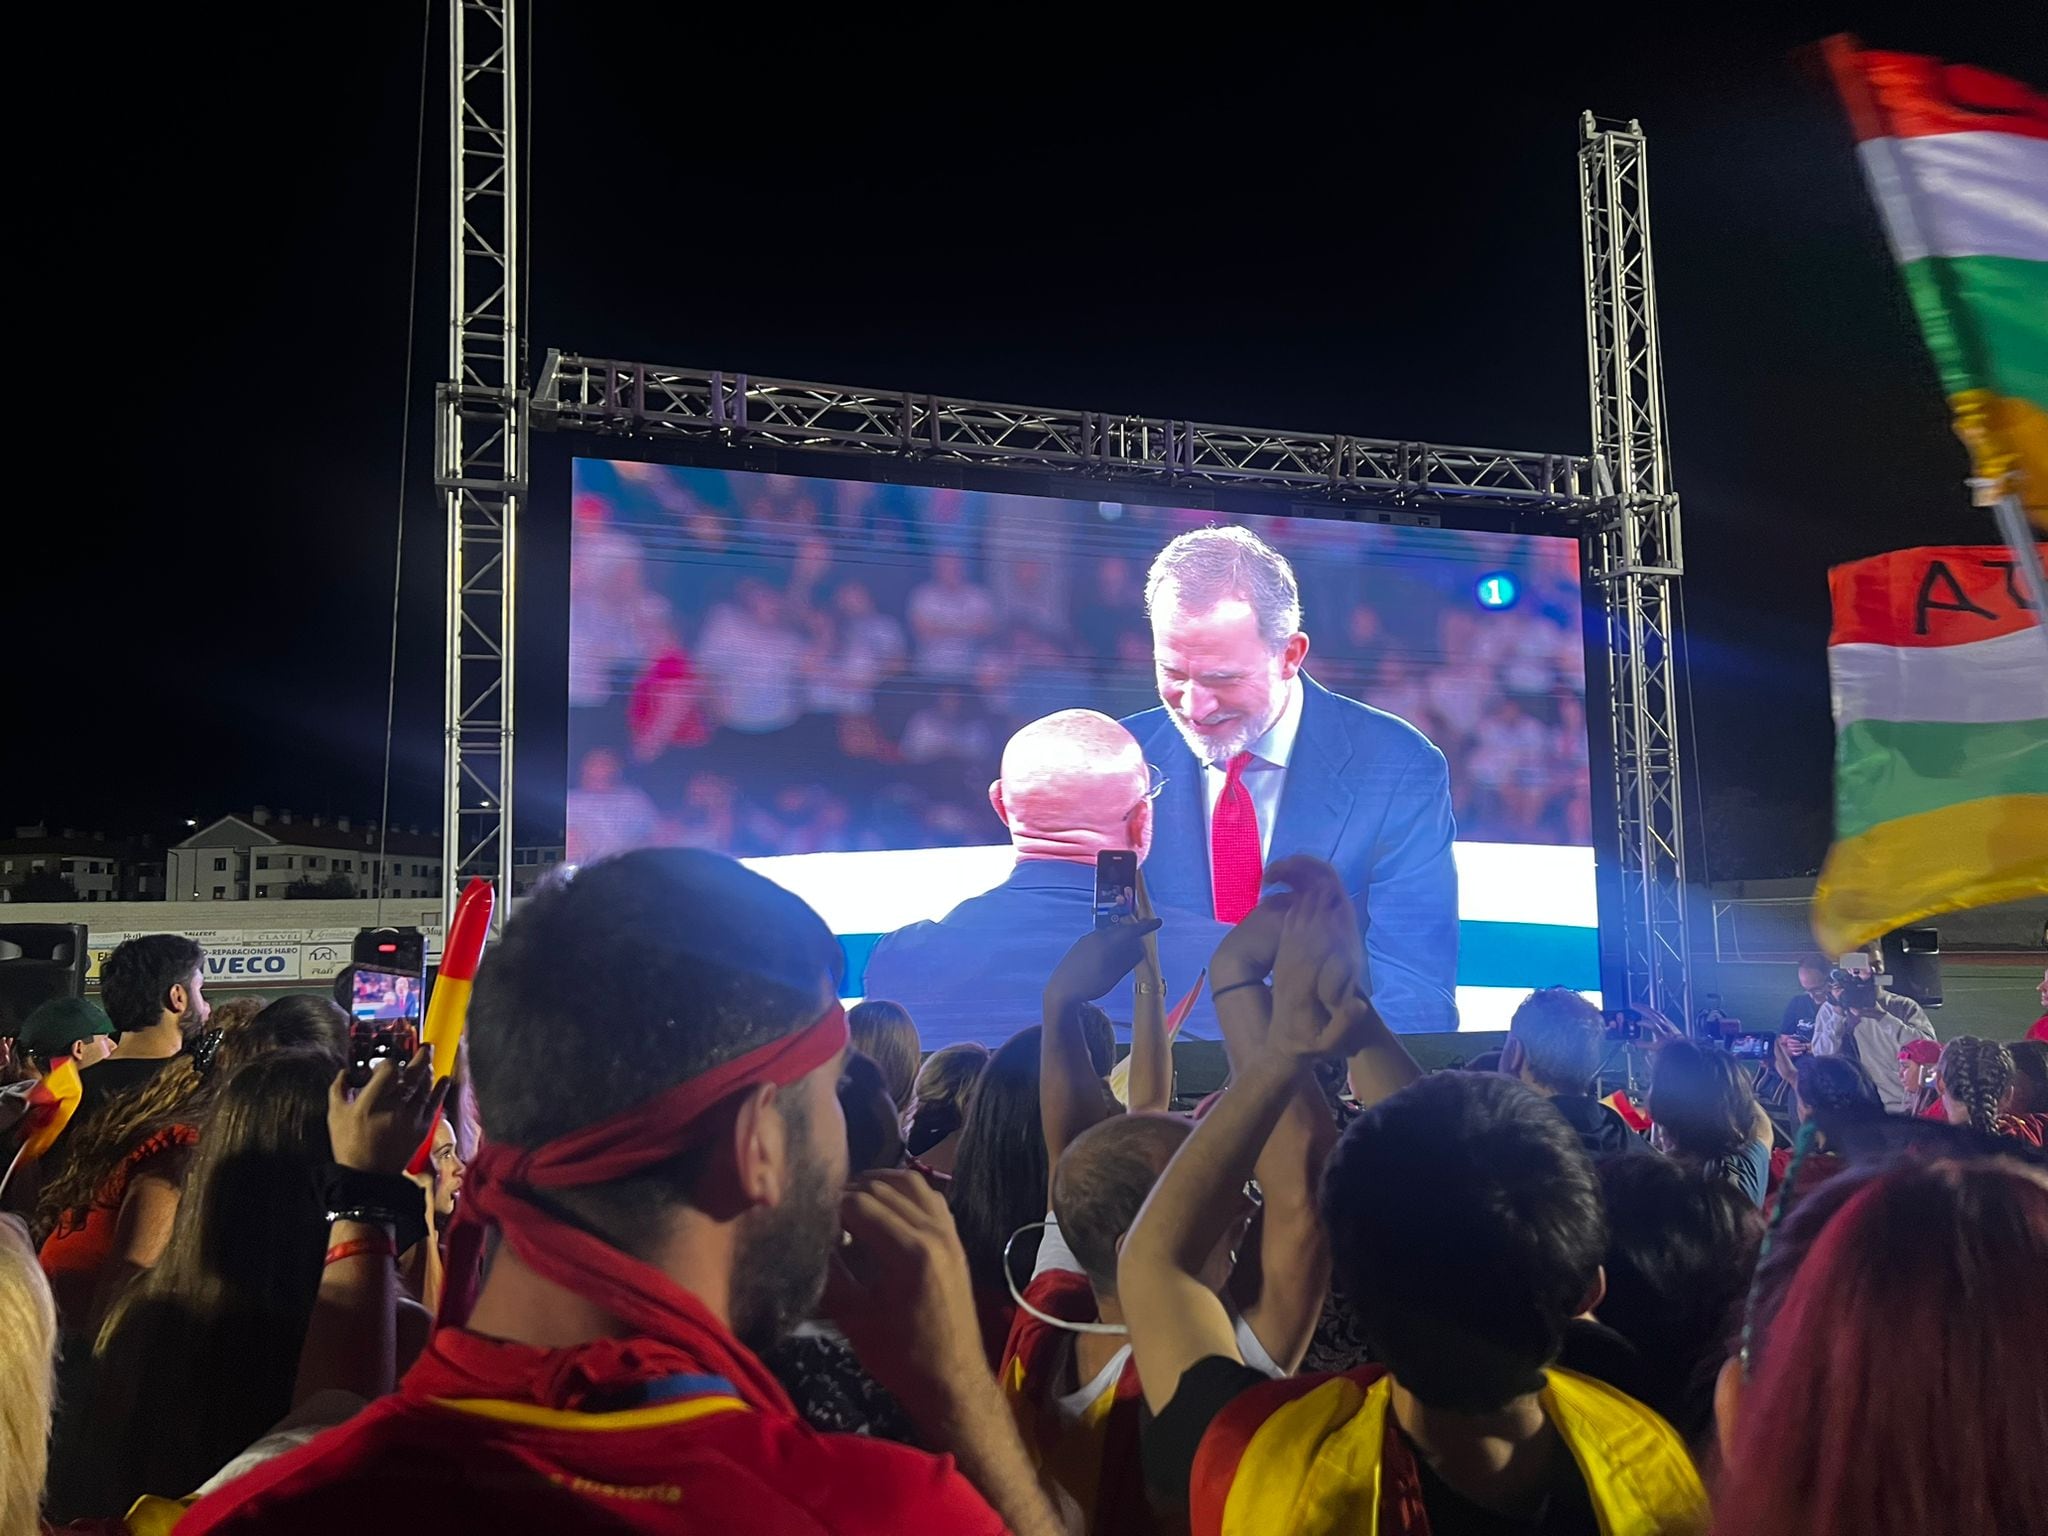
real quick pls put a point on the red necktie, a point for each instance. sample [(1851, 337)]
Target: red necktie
[(1234, 862)]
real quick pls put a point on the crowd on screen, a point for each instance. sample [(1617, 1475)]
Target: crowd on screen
[(766, 664), (726, 1257)]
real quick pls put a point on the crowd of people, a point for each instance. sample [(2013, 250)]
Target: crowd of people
[(763, 664), (731, 1256)]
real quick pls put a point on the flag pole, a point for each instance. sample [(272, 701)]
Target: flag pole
[(2019, 538)]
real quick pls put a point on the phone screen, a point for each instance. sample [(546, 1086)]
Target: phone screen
[(1751, 1045), (1116, 887), (384, 1019), (385, 995)]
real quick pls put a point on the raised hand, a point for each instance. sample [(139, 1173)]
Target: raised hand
[(900, 1291), (1247, 951), (379, 1129), (1098, 960), (1318, 1009), (1306, 876)]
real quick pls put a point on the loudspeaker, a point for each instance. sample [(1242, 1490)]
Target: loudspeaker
[(1912, 958), (38, 961)]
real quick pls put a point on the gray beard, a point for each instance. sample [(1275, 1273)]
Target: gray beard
[(1217, 752)]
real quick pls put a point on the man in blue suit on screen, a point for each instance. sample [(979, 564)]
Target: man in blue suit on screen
[(1261, 762)]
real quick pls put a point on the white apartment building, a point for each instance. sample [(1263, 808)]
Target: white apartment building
[(257, 857), (96, 867)]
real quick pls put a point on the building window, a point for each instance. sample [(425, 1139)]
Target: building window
[(220, 864), (262, 891), (220, 893), (263, 861), (291, 861)]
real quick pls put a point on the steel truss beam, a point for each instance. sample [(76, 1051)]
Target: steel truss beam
[(480, 446), (1635, 556), (645, 399)]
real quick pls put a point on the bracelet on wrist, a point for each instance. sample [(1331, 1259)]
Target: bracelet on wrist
[(384, 1247), (391, 1199), (1216, 992)]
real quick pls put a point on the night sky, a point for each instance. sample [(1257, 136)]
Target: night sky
[(1372, 230)]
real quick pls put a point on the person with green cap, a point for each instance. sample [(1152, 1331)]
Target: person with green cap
[(66, 1026)]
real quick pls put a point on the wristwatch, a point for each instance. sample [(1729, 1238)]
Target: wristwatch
[(1146, 989)]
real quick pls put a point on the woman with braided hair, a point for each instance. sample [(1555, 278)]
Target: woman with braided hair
[(1978, 1079)]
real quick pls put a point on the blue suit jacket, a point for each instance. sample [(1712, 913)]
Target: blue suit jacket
[(1370, 794), (979, 972)]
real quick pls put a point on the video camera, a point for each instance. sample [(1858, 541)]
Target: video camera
[(1854, 989)]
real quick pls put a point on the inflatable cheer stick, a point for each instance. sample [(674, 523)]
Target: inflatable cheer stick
[(449, 1009)]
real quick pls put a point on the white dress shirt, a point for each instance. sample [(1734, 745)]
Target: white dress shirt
[(1264, 776)]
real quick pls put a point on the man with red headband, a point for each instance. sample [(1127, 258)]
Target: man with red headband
[(655, 1046)]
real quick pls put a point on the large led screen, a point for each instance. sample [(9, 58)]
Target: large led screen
[(900, 702)]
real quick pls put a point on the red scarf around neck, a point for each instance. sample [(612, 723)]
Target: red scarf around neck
[(501, 1179)]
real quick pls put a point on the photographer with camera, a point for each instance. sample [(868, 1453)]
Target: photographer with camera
[(1864, 1021)]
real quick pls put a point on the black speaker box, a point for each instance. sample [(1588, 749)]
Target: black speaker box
[(38, 961), (1912, 958)]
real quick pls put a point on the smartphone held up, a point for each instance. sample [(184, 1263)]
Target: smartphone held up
[(1116, 888), (387, 999)]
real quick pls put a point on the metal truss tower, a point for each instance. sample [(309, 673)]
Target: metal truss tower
[(480, 445), (1634, 555)]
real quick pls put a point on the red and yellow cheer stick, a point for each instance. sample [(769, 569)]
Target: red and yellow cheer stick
[(448, 1010)]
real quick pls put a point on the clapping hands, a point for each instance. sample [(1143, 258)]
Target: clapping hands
[(1319, 1003)]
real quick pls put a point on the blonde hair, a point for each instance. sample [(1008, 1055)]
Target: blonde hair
[(949, 1074), (28, 1347), (884, 1032)]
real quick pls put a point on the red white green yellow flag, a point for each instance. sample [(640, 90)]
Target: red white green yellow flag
[(1941, 742), (1957, 161)]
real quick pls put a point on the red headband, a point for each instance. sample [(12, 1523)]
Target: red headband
[(498, 1181)]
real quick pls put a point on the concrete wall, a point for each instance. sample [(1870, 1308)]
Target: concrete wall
[(272, 946)]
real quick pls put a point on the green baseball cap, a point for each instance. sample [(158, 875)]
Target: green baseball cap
[(53, 1026)]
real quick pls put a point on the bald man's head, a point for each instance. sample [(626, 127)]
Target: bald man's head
[(1073, 784)]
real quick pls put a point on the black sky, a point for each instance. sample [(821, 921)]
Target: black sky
[(1369, 228)]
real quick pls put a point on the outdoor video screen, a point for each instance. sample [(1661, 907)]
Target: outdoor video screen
[(820, 677)]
